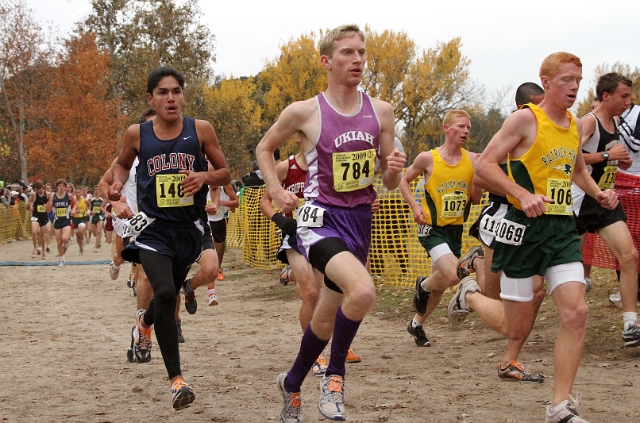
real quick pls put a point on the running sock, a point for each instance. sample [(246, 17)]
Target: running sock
[(630, 319), (414, 324), (310, 348), (344, 330)]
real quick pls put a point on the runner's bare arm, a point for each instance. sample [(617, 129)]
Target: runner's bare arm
[(217, 175), (124, 161), (106, 180), (392, 160), (607, 198), (422, 165), (232, 202), (476, 190), (514, 138), (296, 118), (266, 202), (214, 193)]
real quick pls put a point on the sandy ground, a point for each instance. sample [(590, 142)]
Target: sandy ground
[(65, 332)]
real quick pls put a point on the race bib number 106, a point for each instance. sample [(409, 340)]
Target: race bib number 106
[(169, 191), (559, 190)]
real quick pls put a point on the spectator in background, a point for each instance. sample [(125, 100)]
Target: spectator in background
[(5, 197)]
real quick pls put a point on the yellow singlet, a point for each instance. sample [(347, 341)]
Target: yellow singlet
[(448, 190), (547, 167)]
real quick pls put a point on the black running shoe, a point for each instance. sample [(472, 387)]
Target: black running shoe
[(465, 264), (517, 373), (181, 395), (131, 358), (141, 342), (190, 302), (418, 335), (421, 297)]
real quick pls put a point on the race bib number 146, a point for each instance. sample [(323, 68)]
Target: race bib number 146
[(169, 191)]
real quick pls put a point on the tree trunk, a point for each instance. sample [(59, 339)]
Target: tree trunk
[(21, 149)]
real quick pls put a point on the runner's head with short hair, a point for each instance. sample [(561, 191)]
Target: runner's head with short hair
[(327, 44)]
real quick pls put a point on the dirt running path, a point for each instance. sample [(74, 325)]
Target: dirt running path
[(65, 332)]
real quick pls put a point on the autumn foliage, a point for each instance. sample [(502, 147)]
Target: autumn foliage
[(77, 137), (63, 107)]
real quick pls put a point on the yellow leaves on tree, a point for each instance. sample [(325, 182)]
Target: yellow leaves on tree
[(235, 116), (294, 76), (437, 82), (389, 56)]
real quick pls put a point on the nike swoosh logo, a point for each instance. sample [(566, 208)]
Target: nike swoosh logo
[(186, 138)]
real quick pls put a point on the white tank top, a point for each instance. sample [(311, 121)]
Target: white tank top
[(129, 190), (222, 210)]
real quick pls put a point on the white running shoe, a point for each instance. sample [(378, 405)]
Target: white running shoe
[(458, 307), (291, 410), (213, 300), (114, 271), (565, 412), (332, 398)]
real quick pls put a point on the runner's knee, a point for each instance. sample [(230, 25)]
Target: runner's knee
[(575, 317)]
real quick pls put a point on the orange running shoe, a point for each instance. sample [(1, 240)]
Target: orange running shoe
[(220, 275), (353, 357)]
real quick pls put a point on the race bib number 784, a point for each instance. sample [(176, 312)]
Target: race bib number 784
[(353, 170), (310, 216)]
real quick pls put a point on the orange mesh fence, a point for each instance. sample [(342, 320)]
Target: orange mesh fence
[(596, 252)]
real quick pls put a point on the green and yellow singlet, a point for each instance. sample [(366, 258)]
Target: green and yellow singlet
[(448, 190), (547, 167), (81, 209)]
